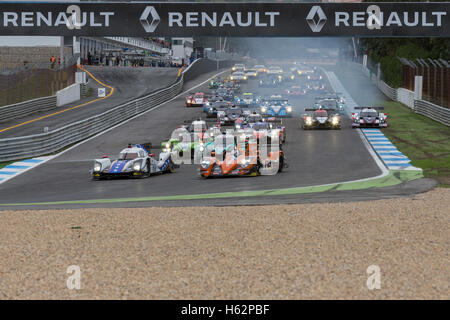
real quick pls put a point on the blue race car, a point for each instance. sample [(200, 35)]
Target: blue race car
[(276, 106)]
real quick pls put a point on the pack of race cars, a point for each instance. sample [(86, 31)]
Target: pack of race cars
[(241, 133)]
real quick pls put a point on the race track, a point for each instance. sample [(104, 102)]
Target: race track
[(128, 83), (315, 157)]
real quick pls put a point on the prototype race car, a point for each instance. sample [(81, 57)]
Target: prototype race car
[(224, 93), (276, 106), (232, 116), (215, 83), (270, 81), (251, 73), (197, 133), (247, 99), (321, 119), (329, 103), (260, 68), (275, 70), (216, 106), (198, 99), (238, 162), (238, 67), (317, 86), (297, 91), (314, 77), (239, 76), (134, 161), (369, 117)]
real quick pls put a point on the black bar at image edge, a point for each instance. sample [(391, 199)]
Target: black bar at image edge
[(227, 309), (147, 19)]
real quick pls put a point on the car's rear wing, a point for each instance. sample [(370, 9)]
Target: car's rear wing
[(326, 109), (375, 108)]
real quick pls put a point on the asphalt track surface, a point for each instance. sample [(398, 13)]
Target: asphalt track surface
[(315, 157), (128, 83)]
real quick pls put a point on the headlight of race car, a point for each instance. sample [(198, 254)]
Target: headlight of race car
[(263, 109), (279, 77), (238, 126), (205, 164), (292, 77), (289, 109), (231, 78), (245, 78), (335, 120), (270, 126), (308, 120), (202, 148), (97, 167), (320, 77), (309, 77), (245, 162), (137, 166), (243, 136)]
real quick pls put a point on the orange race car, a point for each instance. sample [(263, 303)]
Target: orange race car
[(237, 163)]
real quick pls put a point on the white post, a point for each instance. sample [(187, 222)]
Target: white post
[(418, 84), (365, 60)]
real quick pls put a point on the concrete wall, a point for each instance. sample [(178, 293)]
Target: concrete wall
[(16, 56), (68, 95)]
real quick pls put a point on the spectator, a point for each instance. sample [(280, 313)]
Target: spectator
[(52, 61)]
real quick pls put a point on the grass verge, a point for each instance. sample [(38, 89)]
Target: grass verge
[(4, 164), (425, 141)]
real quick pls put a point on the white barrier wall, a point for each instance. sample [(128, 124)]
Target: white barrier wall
[(68, 95), (406, 97)]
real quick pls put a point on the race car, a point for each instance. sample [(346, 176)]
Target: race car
[(297, 90), (251, 73), (215, 83), (275, 70), (321, 119), (232, 116), (260, 68), (276, 106), (264, 127), (240, 162), (133, 161), (247, 99), (216, 106), (270, 82), (224, 93), (239, 76), (198, 99), (238, 67), (304, 69), (330, 102), (314, 77), (369, 117), (190, 137), (317, 86)]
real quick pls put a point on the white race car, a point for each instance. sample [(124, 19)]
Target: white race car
[(134, 161)]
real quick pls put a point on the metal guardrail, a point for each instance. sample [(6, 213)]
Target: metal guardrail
[(52, 141), (433, 111), (23, 109), (423, 107)]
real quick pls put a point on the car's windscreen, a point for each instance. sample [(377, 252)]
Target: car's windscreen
[(261, 126), (254, 118), (233, 111), (276, 102), (247, 96), (369, 114), (128, 156)]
